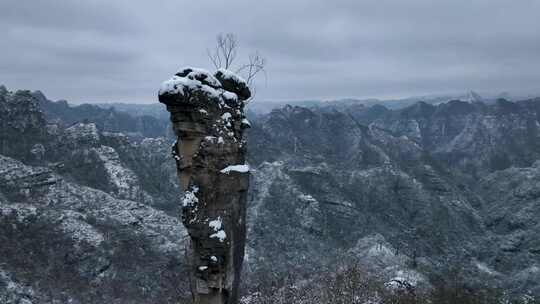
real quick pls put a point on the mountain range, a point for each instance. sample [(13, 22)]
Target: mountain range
[(427, 192)]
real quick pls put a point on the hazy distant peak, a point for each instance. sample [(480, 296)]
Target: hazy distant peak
[(39, 96), (504, 95), (472, 96)]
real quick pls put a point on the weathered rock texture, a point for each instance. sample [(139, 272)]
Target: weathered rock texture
[(207, 113)]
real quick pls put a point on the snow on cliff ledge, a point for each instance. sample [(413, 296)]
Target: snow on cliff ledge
[(236, 168)]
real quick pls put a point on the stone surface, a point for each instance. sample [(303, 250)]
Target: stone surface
[(207, 116)]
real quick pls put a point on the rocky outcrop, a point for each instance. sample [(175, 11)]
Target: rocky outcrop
[(22, 125), (207, 114), (98, 249)]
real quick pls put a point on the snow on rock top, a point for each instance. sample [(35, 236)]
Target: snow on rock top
[(224, 86), (226, 74), (230, 96), (233, 83), (236, 168), (201, 75), (183, 85)]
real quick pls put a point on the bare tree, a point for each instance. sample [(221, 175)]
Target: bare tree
[(225, 53)]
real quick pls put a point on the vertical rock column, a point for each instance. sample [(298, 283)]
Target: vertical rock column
[(207, 114)]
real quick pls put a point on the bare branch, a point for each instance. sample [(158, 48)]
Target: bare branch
[(231, 48), (224, 56), (225, 52), (213, 58), (255, 66)]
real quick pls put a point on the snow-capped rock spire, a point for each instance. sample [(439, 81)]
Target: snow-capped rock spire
[(207, 114)]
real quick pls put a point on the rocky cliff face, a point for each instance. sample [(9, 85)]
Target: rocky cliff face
[(86, 213), (96, 247), (426, 178), (23, 125), (207, 113), (328, 184), (473, 137)]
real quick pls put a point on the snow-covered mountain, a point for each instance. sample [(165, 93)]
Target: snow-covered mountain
[(417, 194)]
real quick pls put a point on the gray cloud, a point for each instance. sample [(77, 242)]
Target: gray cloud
[(101, 50)]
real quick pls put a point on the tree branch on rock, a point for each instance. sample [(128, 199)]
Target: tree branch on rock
[(224, 56)]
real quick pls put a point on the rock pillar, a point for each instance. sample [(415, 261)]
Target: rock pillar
[(207, 114)]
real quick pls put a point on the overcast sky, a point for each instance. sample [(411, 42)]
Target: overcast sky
[(103, 50)]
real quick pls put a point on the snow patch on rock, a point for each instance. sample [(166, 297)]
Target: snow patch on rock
[(216, 224), (220, 235), (73, 224), (235, 168), (190, 199), (123, 180)]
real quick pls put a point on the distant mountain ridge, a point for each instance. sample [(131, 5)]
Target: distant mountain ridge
[(106, 118), (398, 103), (156, 110)]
